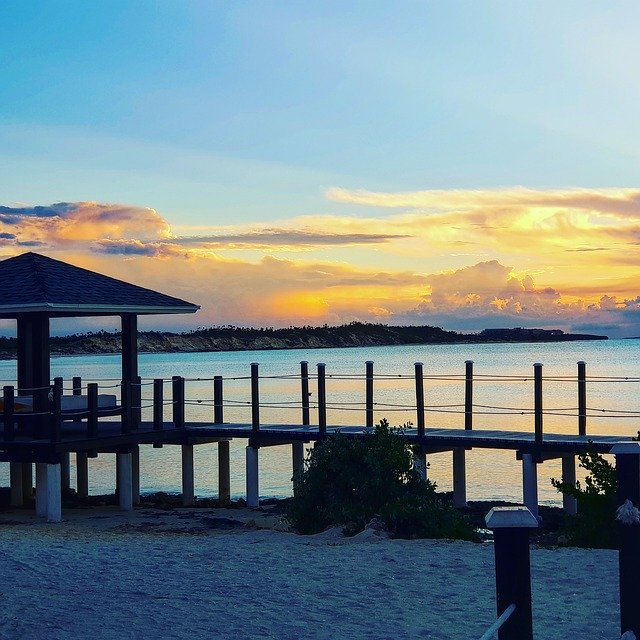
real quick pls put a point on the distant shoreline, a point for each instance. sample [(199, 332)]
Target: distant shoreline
[(228, 339)]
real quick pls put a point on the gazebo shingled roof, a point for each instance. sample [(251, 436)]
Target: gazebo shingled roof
[(33, 283), (35, 288)]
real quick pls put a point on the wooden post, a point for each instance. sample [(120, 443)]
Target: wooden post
[(459, 478), (304, 390), (126, 406), (369, 395), (92, 406), (76, 384), (178, 401), (15, 474), (188, 491), (56, 413), (569, 503), (530, 483), (54, 493), (82, 474), (419, 375), (224, 471), (158, 404), (135, 475), (136, 403), (322, 401), (41, 489), (297, 458), (253, 492), (511, 527), (628, 488), (468, 395), (8, 397), (537, 401), (65, 470), (124, 481), (27, 480), (218, 400), (582, 398), (255, 398)]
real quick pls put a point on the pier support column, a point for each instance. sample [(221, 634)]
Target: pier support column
[(124, 481), (459, 478), (297, 457), (224, 471), (27, 481), (82, 474), (420, 463), (188, 491), (135, 475), (530, 484), (15, 473), (53, 474), (65, 471), (253, 501), (41, 489), (569, 503)]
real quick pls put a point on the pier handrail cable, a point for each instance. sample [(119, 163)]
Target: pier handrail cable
[(495, 627)]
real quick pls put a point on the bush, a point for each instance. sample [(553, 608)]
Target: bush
[(349, 481), (594, 525)]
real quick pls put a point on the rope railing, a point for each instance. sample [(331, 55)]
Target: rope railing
[(492, 631)]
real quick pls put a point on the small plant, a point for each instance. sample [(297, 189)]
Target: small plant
[(349, 481), (594, 525)]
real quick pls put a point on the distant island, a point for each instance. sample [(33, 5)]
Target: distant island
[(229, 338)]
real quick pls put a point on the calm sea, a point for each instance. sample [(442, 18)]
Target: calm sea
[(503, 392)]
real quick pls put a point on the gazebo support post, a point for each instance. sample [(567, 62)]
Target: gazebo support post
[(15, 472), (188, 489), (124, 481), (253, 492), (27, 480), (65, 470), (224, 470), (54, 492), (82, 474), (135, 475), (41, 489)]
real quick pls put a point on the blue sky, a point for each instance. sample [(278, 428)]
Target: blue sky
[(252, 114)]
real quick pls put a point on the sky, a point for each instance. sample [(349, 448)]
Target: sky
[(459, 164)]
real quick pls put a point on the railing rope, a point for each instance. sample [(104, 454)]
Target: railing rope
[(497, 625)]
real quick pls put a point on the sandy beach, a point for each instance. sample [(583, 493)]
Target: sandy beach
[(197, 573)]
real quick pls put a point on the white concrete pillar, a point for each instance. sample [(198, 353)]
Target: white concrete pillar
[(135, 475), (224, 471), (124, 482), (459, 478), (297, 457), (569, 503), (188, 491), (530, 484), (15, 475), (54, 492), (82, 474), (65, 470), (42, 491), (253, 501), (420, 463)]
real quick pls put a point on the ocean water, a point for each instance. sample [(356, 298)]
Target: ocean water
[(503, 395)]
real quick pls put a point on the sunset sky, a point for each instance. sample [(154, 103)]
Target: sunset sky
[(460, 164)]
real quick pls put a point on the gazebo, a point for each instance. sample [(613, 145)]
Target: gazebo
[(36, 288)]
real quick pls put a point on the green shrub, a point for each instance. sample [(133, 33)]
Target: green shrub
[(594, 525), (349, 481)]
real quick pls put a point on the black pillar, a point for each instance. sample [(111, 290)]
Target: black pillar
[(129, 346)]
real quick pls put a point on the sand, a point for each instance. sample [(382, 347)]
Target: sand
[(206, 573)]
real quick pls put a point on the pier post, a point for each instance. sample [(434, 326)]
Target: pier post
[(124, 481), (582, 398), (537, 402), (65, 471), (511, 527), (224, 471), (135, 475), (369, 394), (27, 480), (420, 463), (188, 491), (419, 377), (569, 503), (15, 474), (253, 501), (530, 483), (322, 401), (82, 474), (459, 478), (177, 400), (304, 391), (218, 401), (297, 457), (468, 395), (628, 489), (255, 398), (53, 492), (41, 489)]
